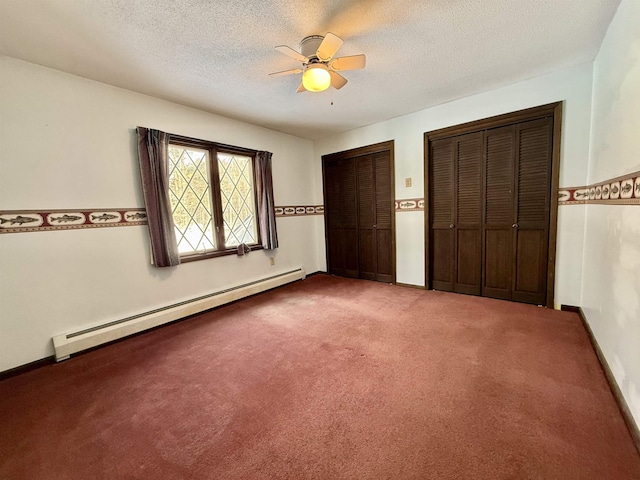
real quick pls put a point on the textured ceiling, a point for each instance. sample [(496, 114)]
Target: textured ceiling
[(216, 55)]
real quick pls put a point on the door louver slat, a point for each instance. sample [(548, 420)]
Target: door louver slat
[(442, 181), (499, 176), (468, 179)]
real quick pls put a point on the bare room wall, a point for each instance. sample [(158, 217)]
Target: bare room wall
[(611, 272), (69, 143)]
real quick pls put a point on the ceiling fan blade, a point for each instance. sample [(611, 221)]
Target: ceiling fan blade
[(329, 47), (301, 88), (290, 52), (337, 80), (286, 72), (353, 62)]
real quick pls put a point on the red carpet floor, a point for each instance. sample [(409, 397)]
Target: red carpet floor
[(327, 378)]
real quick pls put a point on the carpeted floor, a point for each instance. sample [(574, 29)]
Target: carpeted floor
[(328, 378)]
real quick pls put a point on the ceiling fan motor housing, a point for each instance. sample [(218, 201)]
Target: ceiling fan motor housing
[(309, 46)]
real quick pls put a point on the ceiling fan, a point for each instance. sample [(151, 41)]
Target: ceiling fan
[(319, 68)]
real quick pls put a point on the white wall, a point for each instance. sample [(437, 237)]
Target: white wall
[(67, 142), (573, 86), (611, 273)]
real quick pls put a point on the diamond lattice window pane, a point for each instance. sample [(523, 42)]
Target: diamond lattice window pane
[(238, 200), (190, 197)]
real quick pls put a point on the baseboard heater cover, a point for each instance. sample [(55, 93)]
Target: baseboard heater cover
[(67, 344)]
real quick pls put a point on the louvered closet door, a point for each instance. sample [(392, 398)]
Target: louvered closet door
[(531, 227), (489, 200), (374, 217), (468, 208), (341, 212), (349, 216), (499, 212), (384, 209), (442, 214), (333, 212), (366, 217), (456, 208)]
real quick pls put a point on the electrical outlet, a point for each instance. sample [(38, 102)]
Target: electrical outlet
[(407, 182), (272, 261)]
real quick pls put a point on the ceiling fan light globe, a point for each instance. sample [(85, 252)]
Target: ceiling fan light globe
[(316, 78)]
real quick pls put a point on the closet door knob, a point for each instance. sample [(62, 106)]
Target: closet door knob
[(515, 225), (451, 226)]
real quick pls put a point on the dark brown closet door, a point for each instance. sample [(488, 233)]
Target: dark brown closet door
[(468, 208), (367, 218), (374, 217), (384, 207), (491, 229), (456, 207), (442, 214), (498, 212), (531, 226), (341, 213), (359, 213)]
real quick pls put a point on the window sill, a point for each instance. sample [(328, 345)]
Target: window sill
[(219, 253)]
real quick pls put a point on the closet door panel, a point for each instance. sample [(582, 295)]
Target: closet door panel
[(442, 214), (468, 261), (499, 212), (349, 193), (442, 242), (333, 202), (468, 207), (534, 171), (336, 252), (384, 210), (333, 213), (529, 257), (533, 180), (351, 253), (441, 182), (366, 217), (497, 264), (383, 204), (384, 240), (468, 181), (367, 254), (341, 215), (349, 217)]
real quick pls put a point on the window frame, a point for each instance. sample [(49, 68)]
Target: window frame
[(216, 197)]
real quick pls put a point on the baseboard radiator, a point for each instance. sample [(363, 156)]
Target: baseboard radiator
[(74, 342)]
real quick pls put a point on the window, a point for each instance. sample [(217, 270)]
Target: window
[(212, 196)]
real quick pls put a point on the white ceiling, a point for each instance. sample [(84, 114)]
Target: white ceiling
[(216, 55)]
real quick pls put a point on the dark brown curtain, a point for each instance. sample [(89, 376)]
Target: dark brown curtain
[(153, 148), (266, 207)]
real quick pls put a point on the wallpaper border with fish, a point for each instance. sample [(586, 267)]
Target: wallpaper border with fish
[(410, 205), (17, 221), (299, 210), (622, 190)]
